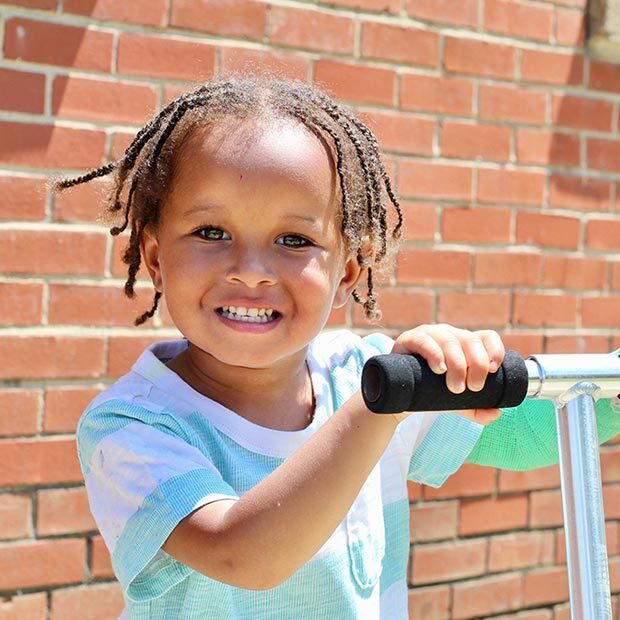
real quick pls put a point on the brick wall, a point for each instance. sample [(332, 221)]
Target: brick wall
[(502, 137)]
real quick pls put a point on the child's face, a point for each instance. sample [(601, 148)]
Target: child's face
[(251, 222)]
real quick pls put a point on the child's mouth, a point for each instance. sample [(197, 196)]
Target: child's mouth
[(249, 315)]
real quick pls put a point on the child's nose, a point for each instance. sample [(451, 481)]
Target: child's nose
[(251, 267)]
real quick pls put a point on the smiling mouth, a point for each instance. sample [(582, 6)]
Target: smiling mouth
[(249, 315)]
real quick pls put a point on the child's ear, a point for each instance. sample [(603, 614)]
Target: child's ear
[(150, 252), (352, 274)]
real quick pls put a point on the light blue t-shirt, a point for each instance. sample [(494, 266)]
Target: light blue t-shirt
[(152, 450)]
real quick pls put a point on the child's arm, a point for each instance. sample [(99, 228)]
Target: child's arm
[(259, 540)]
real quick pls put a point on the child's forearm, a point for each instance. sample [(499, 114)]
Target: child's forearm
[(259, 540)]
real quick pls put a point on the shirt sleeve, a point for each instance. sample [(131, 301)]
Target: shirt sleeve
[(144, 472)]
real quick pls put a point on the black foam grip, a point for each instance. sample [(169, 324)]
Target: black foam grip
[(394, 383)]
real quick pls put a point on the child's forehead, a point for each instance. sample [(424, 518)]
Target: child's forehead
[(275, 148)]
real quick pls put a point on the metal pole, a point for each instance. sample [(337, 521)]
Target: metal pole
[(584, 521)]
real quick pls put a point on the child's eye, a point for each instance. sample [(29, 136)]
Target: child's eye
[(293, 241), (211, 233)]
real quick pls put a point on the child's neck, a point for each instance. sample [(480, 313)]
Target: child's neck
[(279, 397)]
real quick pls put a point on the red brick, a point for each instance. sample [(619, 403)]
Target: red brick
[(156, 56), (551, 67), (611, 535), (420, 220), (514, 551), (474, 141), (600, 311), (546, 509), (541, 478), (403, 45), (603, 234), (479, 58), (507, 269), (32, 4), (603, 154), (447, 561), (63, 407), (547, 585), (433, 521), (47, 146), (434, 266), (463, 13), (517, 19), (125, 350), (20, 303), (579, 193), (401, 133), (525, 344), (19, 411), (545, 147), (610, 465), (414, 491), (57, 44), (21, 91), (468, 481), (313, 30), (434, 181), (63, 511), (23, 198), (570, 27), (429, 603), (582, 112), (476, 225), (42, 563), (615, 276), (82, 203), (101, 565), (24, 606), (355, 82), (53, 252), (576, 344), (611, 501), (244, 60), (94, 602), (50, 357), (544, 310), (103, 100), (438, 95), (510, 186), (493, 515), (574, 272), (546, 230), (72, 304), (482, 597), (39, 461), (534, 614), (475, 309), (514, 104), (401, 308), (148, 12), (604, 76), (15, 515), (234, 18)]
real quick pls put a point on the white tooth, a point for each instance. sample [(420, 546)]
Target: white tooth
[(231, 309), (252, 311), (261, 312), (242, 310), (269, 312), (225, 308)]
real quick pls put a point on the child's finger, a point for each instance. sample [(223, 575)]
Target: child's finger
[(477, 360), (421, 342), (494, 346), (456, 360)]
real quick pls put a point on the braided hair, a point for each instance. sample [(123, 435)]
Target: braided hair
[(143, 175)]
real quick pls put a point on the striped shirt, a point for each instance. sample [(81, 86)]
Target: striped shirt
[(152, 450)]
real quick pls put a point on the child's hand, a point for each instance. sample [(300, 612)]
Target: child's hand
[(466, 357)]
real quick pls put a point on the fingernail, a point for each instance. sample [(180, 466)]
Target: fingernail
[(493, 366), (458, 387), (441, 367)]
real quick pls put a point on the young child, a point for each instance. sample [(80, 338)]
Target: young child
[(236, 473)]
